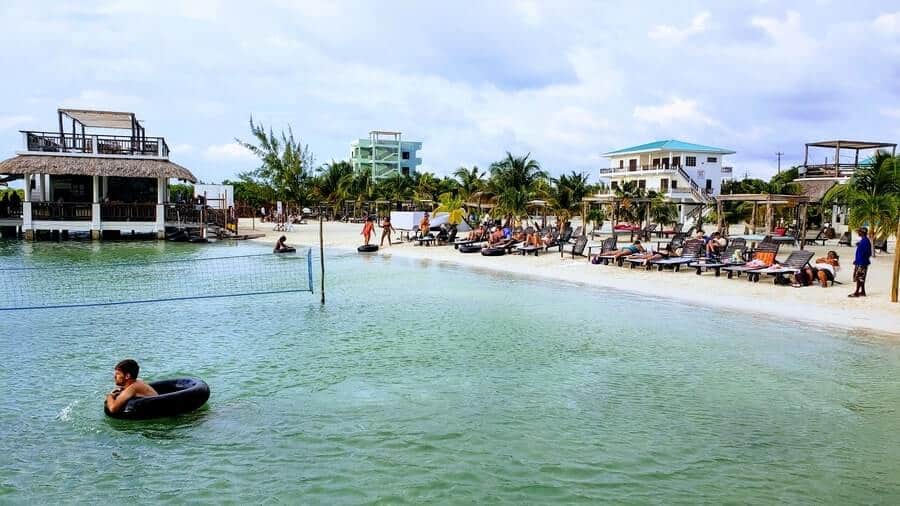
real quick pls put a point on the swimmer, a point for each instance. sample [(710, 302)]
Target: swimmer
[(281, 246), (127, 386)]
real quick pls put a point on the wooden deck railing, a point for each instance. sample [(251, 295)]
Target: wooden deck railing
[(51, 142), (128, 212), (61, 211)]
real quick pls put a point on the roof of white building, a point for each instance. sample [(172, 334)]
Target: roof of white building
[(669, 145)]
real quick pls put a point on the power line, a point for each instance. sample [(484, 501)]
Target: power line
[(778, 154)]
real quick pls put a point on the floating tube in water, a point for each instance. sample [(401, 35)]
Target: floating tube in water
[(176, 397), (367, 248), (493, 252), (286, 250), (469, 248)]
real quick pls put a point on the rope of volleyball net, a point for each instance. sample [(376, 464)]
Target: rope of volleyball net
[(118, 283)]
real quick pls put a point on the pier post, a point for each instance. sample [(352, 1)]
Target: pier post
[(27, 225), (95, 209)]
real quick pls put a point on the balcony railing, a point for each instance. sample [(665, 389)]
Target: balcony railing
[(128, 212), (638, 168), (829, 170), (51, 142), (10, 210), (61, 211)]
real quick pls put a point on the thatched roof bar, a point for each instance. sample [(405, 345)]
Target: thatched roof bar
[(94, 166)]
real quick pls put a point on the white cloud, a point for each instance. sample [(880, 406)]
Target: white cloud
[(888, 23), (14, 121), (673, 34), (181, 149), (228, 152), (678, 111), (776, 28), (105, 101), (529, 11), (891, 113)]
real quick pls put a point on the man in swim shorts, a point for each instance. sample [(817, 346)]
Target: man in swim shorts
[(127, 386)]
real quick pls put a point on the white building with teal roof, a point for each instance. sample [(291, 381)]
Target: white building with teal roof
[(385, 154), (687, 173)]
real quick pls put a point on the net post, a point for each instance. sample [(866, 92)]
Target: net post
[(309, 270)]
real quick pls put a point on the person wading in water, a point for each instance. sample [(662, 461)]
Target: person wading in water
[(128, 386)]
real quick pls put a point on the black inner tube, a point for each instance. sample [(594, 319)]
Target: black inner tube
[(176, 396), (287, 249), (367, 248), (493, 252), (469, 248)]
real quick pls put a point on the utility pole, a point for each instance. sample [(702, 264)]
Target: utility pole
[(778, 154)]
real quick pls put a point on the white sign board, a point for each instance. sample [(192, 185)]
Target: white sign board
[(218, 196), (406, 220)]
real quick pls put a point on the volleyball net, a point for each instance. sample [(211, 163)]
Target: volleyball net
[(110, 284)]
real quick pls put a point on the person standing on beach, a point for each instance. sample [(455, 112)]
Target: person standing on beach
[(386, 229), (368, 230), (861, 262)]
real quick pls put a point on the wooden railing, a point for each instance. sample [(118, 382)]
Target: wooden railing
[(128, 212), (10, 210), (829, 170), (51, 142), (61, 211)]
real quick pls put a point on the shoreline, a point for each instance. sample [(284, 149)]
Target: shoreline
[(828, 308)]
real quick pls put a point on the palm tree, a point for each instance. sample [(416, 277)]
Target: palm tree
[(285, 162), (516, 172), (566, 194), (397, 188), (873, 196), (454, 205), (333, 183), (470, 180), (515, 180)]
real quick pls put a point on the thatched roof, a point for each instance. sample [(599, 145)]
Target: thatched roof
[(815, 189), (94, 166)]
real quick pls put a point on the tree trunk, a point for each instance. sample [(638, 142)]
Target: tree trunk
[(896, 279)]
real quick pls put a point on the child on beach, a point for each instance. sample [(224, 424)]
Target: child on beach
[(368, 230)]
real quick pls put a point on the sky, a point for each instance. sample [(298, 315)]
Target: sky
[(563, 81)]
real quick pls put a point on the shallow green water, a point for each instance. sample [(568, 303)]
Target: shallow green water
[(420, 382)]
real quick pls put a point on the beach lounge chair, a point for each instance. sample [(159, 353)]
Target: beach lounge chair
[(690, 252), (845, 239), (673, 231), (763, 257), (724, 260), (577, 248), (791, 265), (607, 247), (467, 242), (820, 237), (880, 245), (561, 239), (578, 233)]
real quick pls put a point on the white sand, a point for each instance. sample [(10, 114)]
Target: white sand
[(874, 315)]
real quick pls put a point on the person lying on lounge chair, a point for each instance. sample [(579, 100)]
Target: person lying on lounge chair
[(533, 239), (518, 235), (631, 249), (824, 270)]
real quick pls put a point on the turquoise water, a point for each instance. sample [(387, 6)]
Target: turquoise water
[(421, 382)]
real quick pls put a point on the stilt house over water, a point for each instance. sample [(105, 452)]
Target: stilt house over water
[(98, 172)]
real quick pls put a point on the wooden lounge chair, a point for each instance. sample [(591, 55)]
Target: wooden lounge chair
[(560, 239), (765, 253), (791, 265), (845, 239), (724, 260), (673, 231), (577, 248), (820, 237), (608, 244), (689, 253), (607, 247), (466, 242)]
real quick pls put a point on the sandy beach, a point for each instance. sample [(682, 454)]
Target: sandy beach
[(872, 316)]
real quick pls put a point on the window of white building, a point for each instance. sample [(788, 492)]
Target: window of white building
[(711, 159), (690, 161)]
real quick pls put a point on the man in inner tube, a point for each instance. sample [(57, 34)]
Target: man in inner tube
[(127, 386)]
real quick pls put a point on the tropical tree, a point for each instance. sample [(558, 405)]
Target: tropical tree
[(397, 188), (873, 196), (332, 185), (454, 205), (515, 180), (286, 162), (566, 194), (470, 180)]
